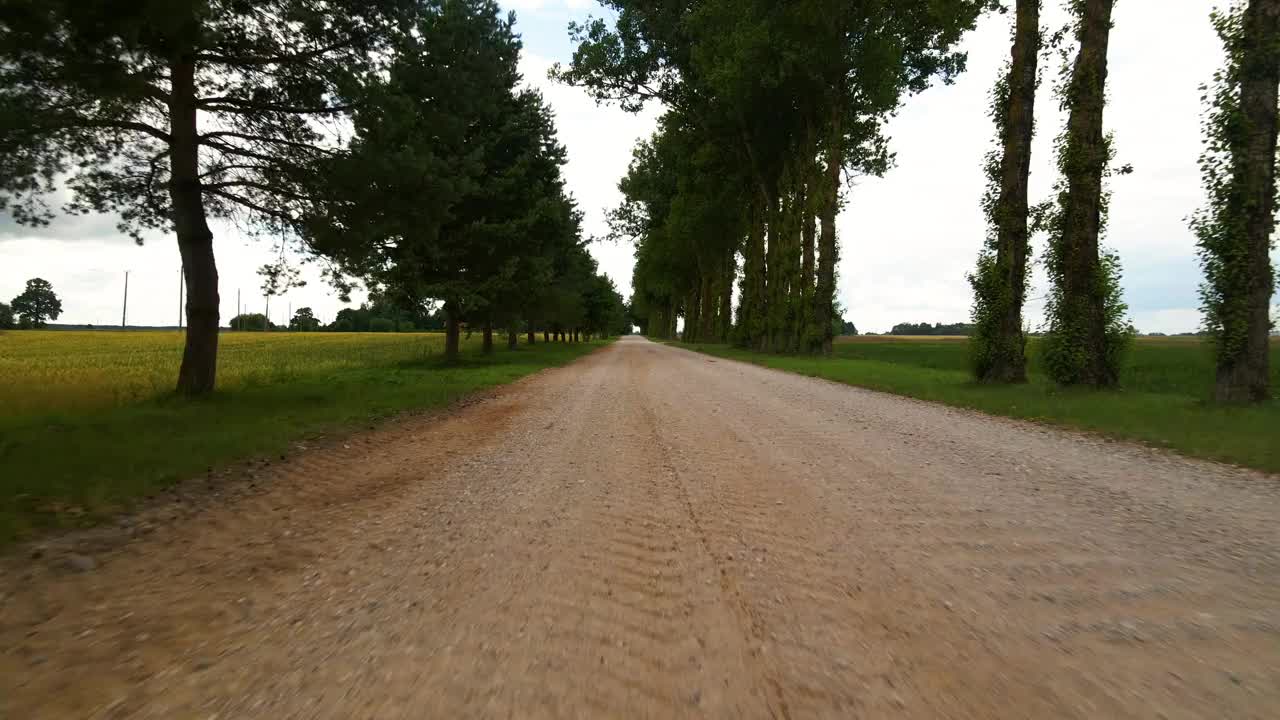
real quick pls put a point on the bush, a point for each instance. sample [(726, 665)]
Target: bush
[(407, 326), (381, 325)]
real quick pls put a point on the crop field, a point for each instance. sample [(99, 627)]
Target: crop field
[(89, 421), (55, 371), (1163, 399)]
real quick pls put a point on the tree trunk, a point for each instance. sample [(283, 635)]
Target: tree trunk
[(1009, 362), (452, 333), (513, 337), (751, 315), (546, 335), (1244, 376), (1083, 294), (809, 338), (729, 273), (707, 313), (199, 367), (824, 293), (533, 335), (487, 343)]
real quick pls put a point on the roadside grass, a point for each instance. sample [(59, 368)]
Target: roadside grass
[(90, 451), (1163, 400)]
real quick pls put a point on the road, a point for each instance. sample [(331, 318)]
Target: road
[(652, 533)]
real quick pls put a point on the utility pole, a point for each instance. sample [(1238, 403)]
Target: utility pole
[(124, 311), (288, 316)]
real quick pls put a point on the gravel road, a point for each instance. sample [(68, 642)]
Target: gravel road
[(654, 533)]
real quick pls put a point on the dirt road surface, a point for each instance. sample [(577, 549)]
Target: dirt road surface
[(652, 533)]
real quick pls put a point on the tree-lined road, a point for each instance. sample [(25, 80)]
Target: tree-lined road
[(655, 533)]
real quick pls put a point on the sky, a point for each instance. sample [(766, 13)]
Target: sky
[(907, 239)]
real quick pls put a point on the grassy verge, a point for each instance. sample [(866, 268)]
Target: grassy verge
[(1162, 403), (72, 465)]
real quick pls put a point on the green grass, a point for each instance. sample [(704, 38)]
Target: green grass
[(1163, 400), (73, 449)]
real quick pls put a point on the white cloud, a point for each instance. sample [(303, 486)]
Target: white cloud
[(599, 139)]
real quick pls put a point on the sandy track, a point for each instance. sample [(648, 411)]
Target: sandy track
[(654, 533)]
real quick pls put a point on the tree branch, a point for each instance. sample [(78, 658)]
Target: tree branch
[(252, 60), (240, 105), (248, 204), (263, 139)]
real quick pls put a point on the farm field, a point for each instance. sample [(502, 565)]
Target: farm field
[(88, 421), (1162, 401)]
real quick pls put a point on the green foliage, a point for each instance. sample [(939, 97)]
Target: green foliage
[(1222, 229), (1073, 351), (953, 329), (998, 288), (304, 320), (6, 317), (382, 325), (1167, 382), (36, 305), (721, 170), (85, 87), (250, 321), (453, 192)]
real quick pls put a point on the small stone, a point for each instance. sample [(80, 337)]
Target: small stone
[(81, 563)]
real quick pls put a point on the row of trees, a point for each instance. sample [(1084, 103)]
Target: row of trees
[(1086, 331), (389, 138), (932, 329), (769, 107)]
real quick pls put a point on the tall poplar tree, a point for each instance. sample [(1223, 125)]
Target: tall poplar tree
[(1000, 281), (1239, 168), (1088, 332)]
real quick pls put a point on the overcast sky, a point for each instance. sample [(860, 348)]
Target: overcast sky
[(907, 239)]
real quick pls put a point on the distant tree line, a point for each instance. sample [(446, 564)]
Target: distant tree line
[(964, 329), (390, 139)]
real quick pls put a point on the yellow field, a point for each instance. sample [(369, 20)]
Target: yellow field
[(57, 370)]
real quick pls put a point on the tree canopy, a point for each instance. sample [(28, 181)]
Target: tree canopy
[(37, 304)]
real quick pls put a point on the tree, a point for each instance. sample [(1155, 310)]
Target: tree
[(279, 278), (835, 72), (1087, 333), (6, 317), (1239, 169), (1000, 280), (405, 210), (249, 321), (172, 113), (37, 304), (304, 320)]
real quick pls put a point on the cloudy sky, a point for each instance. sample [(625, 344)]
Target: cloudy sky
[(907, 239)]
